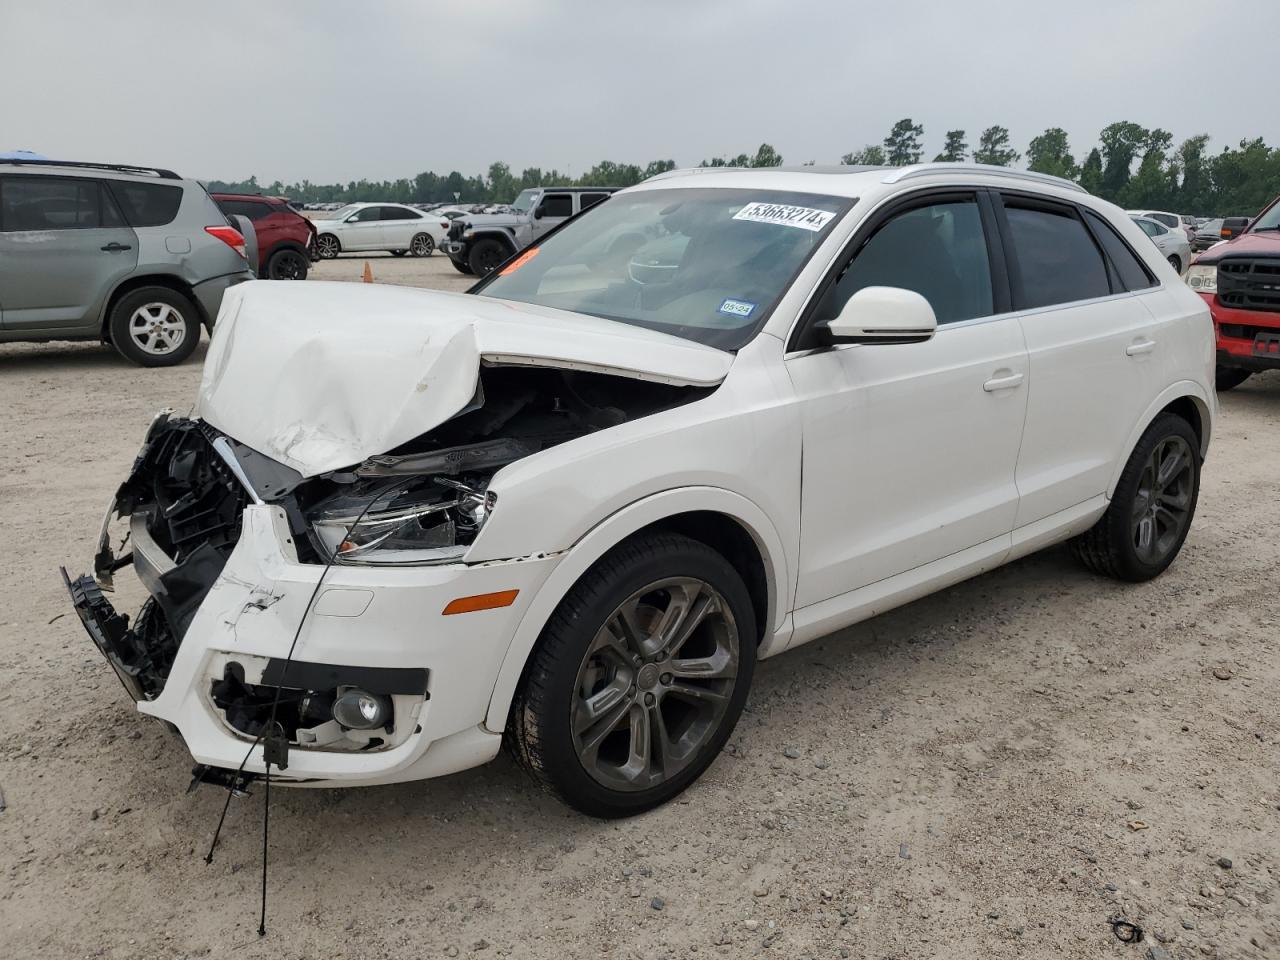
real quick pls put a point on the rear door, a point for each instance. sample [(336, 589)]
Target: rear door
[(63, 246), (399, 224), (1092, 347)]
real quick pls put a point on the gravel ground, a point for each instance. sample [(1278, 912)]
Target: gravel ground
[(991, 772)]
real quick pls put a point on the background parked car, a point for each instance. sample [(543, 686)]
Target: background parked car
[(1174, 221), (394, 227), (1208, 233), (134, 256), (286, 239), (1172, 242)]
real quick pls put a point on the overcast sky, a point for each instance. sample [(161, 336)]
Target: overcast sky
[(335, 91)]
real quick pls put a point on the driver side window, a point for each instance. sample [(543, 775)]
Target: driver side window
[(367, 214), (938, 250)]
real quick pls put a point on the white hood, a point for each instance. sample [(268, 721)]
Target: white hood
[(320, 376)]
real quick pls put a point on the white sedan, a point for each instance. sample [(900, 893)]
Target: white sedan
[(575, 507), (1171, 242), (394, 227)]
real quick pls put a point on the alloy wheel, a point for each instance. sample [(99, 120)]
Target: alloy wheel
[(157, 328), (327, 246), (288, 265), (1162, 505), (422, 245), (655, 684)]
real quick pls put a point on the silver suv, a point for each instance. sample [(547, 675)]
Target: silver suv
[(480, 244), (133, 256)]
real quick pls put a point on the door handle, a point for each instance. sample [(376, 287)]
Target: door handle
[(1003, 383), (114, 247), (1139, 347)]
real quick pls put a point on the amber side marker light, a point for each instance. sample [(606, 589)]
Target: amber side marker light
[(483, 601)]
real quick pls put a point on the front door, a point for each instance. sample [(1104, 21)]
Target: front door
[(552, 210), (63, 247), (910, 450), (363, 230)]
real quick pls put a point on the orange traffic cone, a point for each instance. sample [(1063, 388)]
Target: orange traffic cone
[(367, 276)]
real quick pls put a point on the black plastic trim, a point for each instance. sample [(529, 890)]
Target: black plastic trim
[(299, 674)]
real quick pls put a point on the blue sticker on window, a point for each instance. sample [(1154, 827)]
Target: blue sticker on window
[(737, 308)]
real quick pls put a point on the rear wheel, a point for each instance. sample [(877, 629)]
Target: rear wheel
[(1176, 262), (154, 326), (1151, 511), (422, 245), (1228, 378), (639, 677), (327, 246), (486, 253), (287, 264)]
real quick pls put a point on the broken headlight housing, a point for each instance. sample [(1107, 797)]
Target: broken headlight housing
[(433, 521)]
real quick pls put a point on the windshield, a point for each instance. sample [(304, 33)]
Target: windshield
[(524, 202), (1270, 218), (343, 212), (705, 264)]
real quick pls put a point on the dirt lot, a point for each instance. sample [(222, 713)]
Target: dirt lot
[(992, 772)]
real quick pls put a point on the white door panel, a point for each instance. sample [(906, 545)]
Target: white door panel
[(1094, 368), (909, 452)]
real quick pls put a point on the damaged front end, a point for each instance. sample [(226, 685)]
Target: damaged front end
[(421, 504)]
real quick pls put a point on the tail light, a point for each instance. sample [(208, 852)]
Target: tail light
[(230, 236)]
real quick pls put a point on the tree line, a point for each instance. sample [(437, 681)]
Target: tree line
[(1130, 165)]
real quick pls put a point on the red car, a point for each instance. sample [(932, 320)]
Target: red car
[(286, 239), (1240, 280)]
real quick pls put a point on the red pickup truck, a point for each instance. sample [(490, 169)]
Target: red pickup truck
[(1240, 280)]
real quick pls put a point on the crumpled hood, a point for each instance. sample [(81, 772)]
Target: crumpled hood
[(320, 376)]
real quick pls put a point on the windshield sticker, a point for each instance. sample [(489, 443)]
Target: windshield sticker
[(737, 308), (806, 218), (519, 262)]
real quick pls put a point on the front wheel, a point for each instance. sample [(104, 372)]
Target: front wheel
[(327, 246), (421, 245), (1228, 378), (1144, 528), (486, 253), (461, 267), (638, 678)]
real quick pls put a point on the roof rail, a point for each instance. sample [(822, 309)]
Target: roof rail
[(925, 169), (118, 167)]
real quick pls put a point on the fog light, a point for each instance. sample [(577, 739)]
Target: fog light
[(360, 710)]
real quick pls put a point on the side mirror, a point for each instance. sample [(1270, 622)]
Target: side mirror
[(352, 218), (1234, 226), (537, 212), (884, 315)]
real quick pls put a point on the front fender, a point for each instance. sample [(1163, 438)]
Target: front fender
[(612, 531)]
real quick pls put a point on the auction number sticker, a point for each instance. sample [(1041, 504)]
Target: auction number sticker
[(737, 308), (806, 218)]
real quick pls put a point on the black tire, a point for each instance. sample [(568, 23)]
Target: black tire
[(540, 731), (144, 319), (328, 246), (398, 253), (1228, 378), (1176, 263), (485, 255), (422, 245), (287, 264), (461, 267), (1111, 548)]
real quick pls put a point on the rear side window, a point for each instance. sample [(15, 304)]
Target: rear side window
[(252, 209), (147, 204), (590, 199), (399, 213), (54, 203), (1168, 219), (556, 205), (1133, 273), (1057, 259)]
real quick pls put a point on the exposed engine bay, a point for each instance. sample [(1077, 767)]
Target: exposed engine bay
[(423, 502)]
